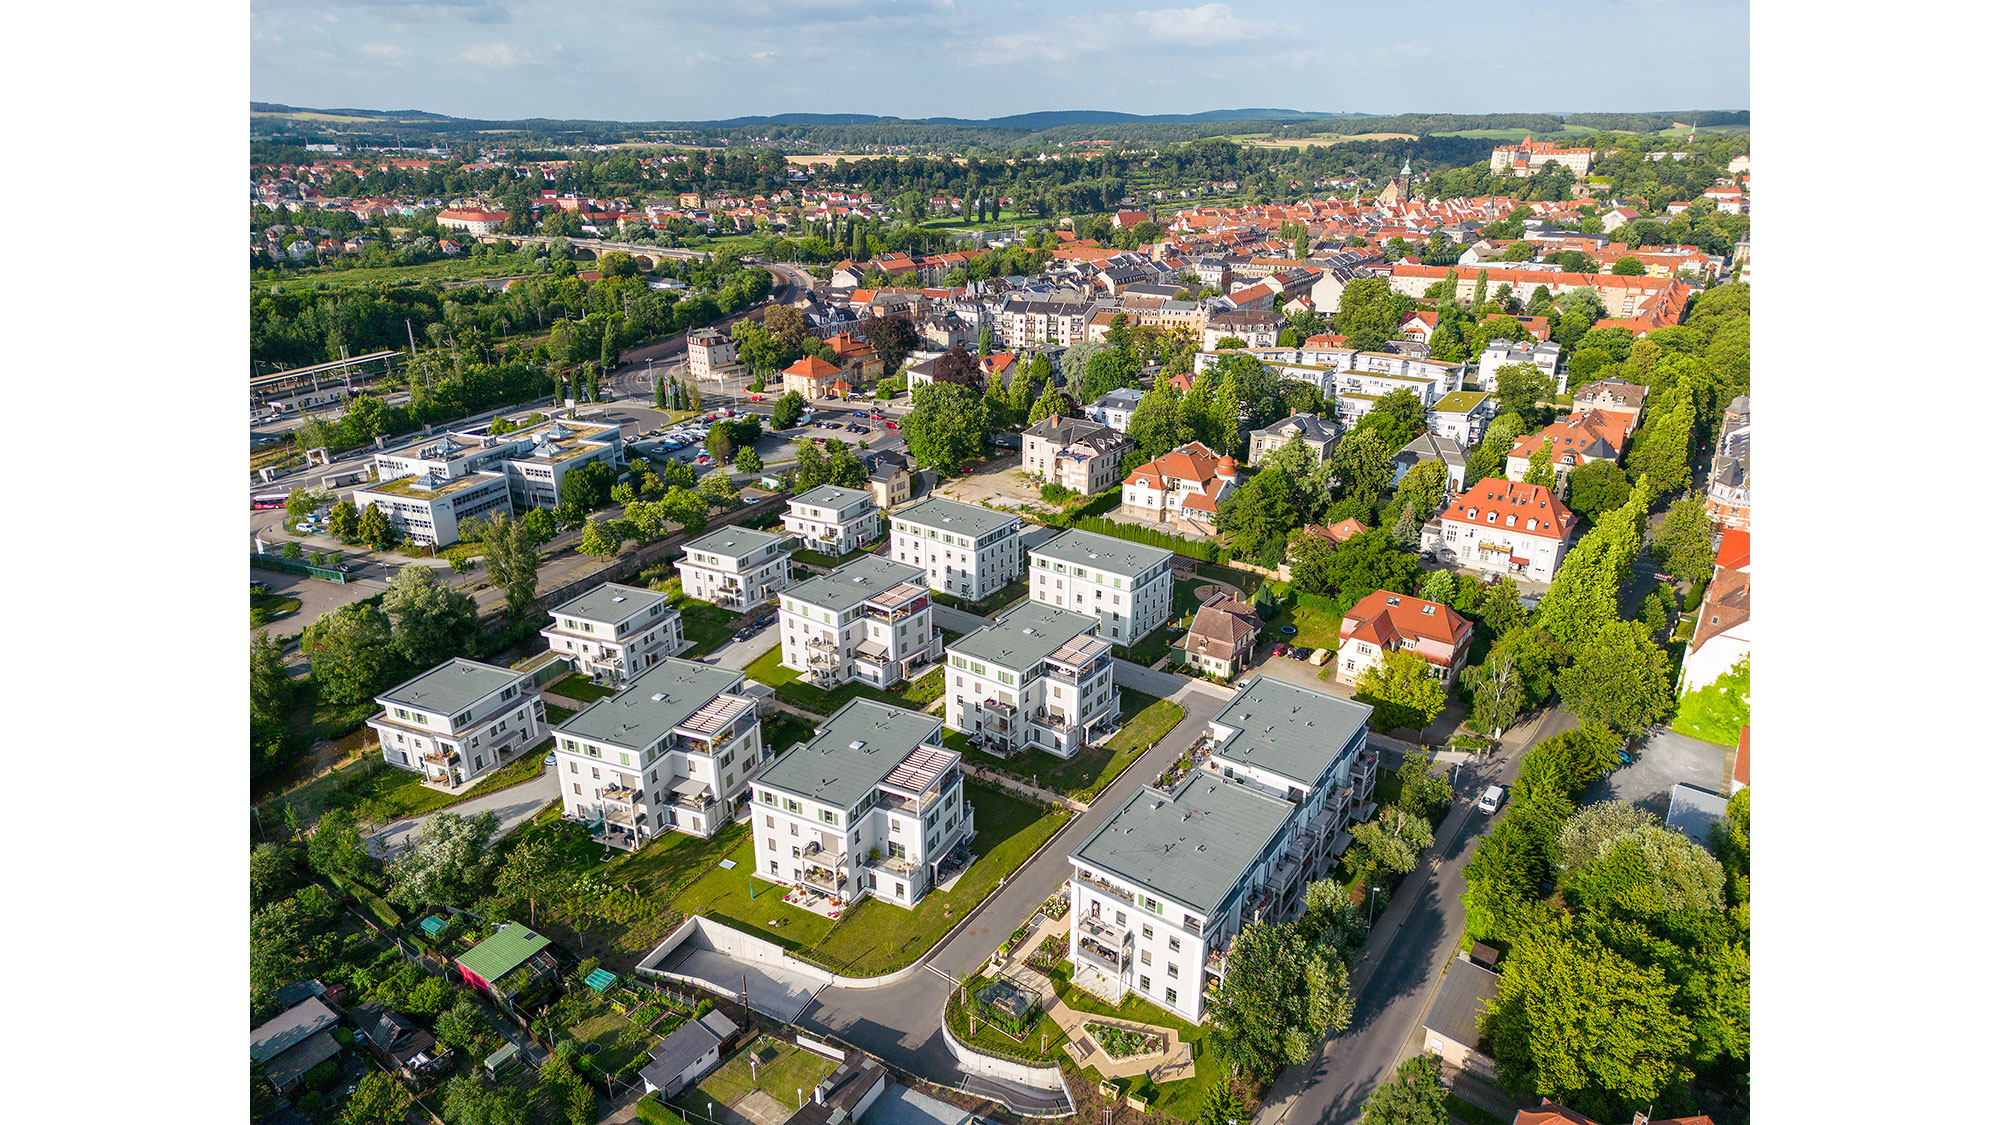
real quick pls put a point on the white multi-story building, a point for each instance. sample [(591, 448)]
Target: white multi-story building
[(1037, 677), (1354, 379), (965, 551), (1188, 483), (1025, 322), (459, 721), (672, 752), (1159, 891), (1129, 587), (736, 567), (615, 631), (834, 520), (1503, 527), (872, 806), (429, 487), (869, 621), (1078, 454), (1501, 353), (1461, 416), (1115, 408), (710, 353)]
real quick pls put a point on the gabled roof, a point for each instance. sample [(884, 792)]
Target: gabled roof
[(1405, 617), (1221, 623), (290, 1028), (1724, 606), (812, 366), (1733, 553), (1507, 498), (502, 953), (1587, 433), (1191, 462)]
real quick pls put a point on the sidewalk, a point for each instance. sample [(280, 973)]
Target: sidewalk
[(1175, 1062)]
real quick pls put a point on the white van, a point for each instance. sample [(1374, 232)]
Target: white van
[(1489, 802)]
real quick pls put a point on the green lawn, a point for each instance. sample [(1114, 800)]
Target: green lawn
[(1146, 720), (985, 1034), (783, 730), (815, 558), (876, 937), (995, 602), (376, 791), (1177, 1099), (749, 904), (706, 626), (578, 687), (782, 1071), (1462, 1110), (610, 1037), (1157, 643), (1316, 627), (1719, 712), (766, 669)]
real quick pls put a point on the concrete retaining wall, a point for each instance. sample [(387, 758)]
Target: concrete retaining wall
[(1007, 1070)]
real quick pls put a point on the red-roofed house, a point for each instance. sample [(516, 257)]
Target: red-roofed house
[(1223, 636), (811, 377), (1382, 623), (1722, 628), (1339, 533), (1503, 527), (1189, 483), (1739, 770), (1613, 398), (1575, 439), (1130, 218), (1733, 553), (1549, 1113)]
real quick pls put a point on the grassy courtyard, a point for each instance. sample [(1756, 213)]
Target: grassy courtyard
[(782, 1071), (377, 792), (1317, 628), (1719, 712), (706, 626), (1182, 1099), (915, 695), (578, 687), (1146, 720)]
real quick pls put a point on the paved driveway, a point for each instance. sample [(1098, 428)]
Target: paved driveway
[(515, 805), (1663, 760)]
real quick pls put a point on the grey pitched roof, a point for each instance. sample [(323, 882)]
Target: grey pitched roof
[(1023, 636), (831, 496), (674, 1054), (1293, 731), (1428, 446), (1124, 398), (957, 518), (1460, 1001), (612, 602), (850, 585), (1067, 431), (1308, 426), (634, 718), (1193, 847), (452, 686), (851, 753), (1101, 552), (290, 1028)]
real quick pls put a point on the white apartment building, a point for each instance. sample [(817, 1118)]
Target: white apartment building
[(965, 551), (1128, 586), (1503, 527), (1037, 677), (615, 631), (834, 520), (1159, 892), (672, 752), (710, 353), (1024, 323), (869, 621), (1461, 416), (1115, 408), (1080, 455), (1354, 379), (1501, 353), (429, 487), (459, 721), (736, 567), (872, 806)]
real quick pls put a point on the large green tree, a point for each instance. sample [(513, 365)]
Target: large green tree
[(1395, 419), (1402, 690), (1361, 462), (1284, 993), (947, 427), (1619, 678), (352, 653), (1683, 543), (1414, 1096), (430, 622), (448, 864)]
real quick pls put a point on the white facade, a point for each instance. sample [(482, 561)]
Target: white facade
[(1038, 677), (965, 551), (672, 752), (709, 353), (834, 520), (459, 721), (736, 567), (615, 631), (869, 621), (873, 806), (1115, 409), (1501, 353), (429, 487), (1128, 587), (1503, 527)]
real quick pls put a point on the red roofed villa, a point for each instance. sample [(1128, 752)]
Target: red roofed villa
[(1189, 483), (1382, 623), (1503, 527)]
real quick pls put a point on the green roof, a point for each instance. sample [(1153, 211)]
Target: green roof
[(503, 952), (1459, 402), (435, 925)]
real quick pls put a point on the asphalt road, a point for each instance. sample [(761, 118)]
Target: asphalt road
[(1415, 938)]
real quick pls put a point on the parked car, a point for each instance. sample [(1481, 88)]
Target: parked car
[(704, 459), (744, 634), (857, 428), (861, 414), (767, 621), (893, 424), (1489, 802), (756, 398)]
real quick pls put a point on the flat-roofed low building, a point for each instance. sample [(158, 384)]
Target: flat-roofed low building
[(459, 721), (1128, 586), (1451, 1025), (671, 752), (430, 487), (966, 551), (1037, 677), (736, 567), (874, 805), (868, 621), (615, 631), (834, 520)]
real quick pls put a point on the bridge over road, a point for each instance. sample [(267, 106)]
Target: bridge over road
[(645, 254)]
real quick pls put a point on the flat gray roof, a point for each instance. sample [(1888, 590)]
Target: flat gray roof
[(733, 542), (850, 585), (451, 687), (612, 602), (831, 496), (1024, 636), (1692, 809), (831, 768), (1101, 552), (1460, 1001), (1288, 729), (959, 519), (1193, 847), (636, 719)]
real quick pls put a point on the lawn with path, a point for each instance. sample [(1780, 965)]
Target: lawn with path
[(1182, 1099), (782, 1071), (1146, 720), (377, 792), (767, 669)]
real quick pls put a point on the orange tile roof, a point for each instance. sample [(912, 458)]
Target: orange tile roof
[(812, 366), (1388, 617), (1588, 434), (1512, 498), (1733, 553)]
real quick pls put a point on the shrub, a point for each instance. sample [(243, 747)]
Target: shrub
[(653, 1111)]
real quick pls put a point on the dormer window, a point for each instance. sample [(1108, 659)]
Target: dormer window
[(1492, 516)]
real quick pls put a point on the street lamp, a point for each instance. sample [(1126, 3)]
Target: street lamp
[(1371, 904)]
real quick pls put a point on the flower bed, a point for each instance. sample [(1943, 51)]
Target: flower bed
[(1052, 952), (1057, 904), (1124, 1043)]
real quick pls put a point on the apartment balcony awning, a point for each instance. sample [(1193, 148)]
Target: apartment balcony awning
[(715, 715), (874, 652), (691, 791)]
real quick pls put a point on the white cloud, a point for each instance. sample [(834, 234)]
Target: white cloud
[(492, 54), (387, 52), (1210, 23)]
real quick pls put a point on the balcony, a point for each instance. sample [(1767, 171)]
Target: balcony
[(819, 853), (621, 794), (900, 865), (1217, 962), (1118, 893), (1101, 930), (1101, 953), (441, 757), (825, 880)]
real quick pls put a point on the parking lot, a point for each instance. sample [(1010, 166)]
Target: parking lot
[(1664, 759)]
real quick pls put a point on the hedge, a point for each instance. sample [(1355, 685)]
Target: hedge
[(653, 1111), (369, 900), (1202, 549)]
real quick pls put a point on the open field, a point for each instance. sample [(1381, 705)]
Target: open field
[(829, 159), (1264, 140), (1515, 134)]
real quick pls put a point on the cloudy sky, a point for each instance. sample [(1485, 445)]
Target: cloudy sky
[(638, 60)]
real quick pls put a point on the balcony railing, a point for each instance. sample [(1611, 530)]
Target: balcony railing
[(822, 879), (1114, 891), (441, 757), (821, 853), (1100, 953), (901, 865), (621, 794), (1098, 928)]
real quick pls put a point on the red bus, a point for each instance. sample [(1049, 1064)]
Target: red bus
[(268, 500)]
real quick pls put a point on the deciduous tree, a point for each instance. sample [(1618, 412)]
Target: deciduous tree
[(1682, 544), (1619, 678), (1415, 1096), (1402, 690), (1282, 996), (448, 864), (947, 426), (429, 621), (351, 652)]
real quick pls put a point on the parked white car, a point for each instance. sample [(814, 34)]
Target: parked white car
[(1489, 802)]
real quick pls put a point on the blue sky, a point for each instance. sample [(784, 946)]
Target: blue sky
[(636, 60)]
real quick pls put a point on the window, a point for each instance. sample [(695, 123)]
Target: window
[(1172, 996), (1147, 931), (1121, 917), (770, 821), (795, 829), (1145, 956), (572, 767), (1173, 945), (576, 788), (1173, 971), (1145, 983)]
